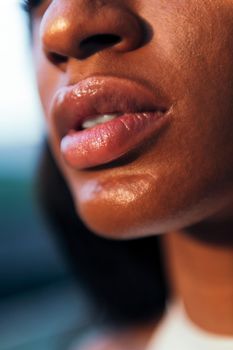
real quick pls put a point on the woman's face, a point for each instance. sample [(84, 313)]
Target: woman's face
[(162, 72)]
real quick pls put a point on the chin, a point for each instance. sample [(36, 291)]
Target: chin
[(116, 207), (130, 221), (114, 224), (127, 204), (122, 222)]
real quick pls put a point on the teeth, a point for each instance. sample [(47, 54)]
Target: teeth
[(98, 120)]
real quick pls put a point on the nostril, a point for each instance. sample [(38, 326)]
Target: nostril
[(101, 39), (97, 42), (87, 47), (57, 59)]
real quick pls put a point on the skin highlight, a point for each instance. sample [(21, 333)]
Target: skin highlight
[(183, 176)]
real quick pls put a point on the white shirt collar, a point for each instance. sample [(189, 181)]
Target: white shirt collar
[(178, 332)]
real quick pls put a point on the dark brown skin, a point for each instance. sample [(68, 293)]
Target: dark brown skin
[(202, 275), (186, 176)]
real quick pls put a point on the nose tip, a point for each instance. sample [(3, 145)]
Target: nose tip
[(75, 32)]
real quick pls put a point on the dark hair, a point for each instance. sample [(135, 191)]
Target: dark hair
[(125, 278)]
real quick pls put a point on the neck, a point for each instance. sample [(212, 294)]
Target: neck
[(200, 262)]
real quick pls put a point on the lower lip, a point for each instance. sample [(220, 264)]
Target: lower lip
[(111, 140)]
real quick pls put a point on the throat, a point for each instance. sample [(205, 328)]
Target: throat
[(201, 274)]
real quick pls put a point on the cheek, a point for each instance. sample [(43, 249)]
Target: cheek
[(48, 76), (48, 82)]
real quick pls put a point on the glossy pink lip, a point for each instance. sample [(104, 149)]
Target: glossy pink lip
[(142, 113)]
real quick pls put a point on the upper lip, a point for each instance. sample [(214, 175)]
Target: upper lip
[(74, 104)]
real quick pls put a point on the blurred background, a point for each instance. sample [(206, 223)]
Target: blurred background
[(39, 304)]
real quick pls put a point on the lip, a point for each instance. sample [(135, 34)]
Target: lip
[(142, 113)]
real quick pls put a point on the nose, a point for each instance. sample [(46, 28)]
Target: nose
[(81, 28)]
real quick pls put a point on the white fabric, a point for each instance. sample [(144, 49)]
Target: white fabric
[(177, 332)]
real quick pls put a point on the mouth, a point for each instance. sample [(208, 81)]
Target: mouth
[(101, 119)]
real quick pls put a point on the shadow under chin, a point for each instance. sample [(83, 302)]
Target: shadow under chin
[(220, 234)]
